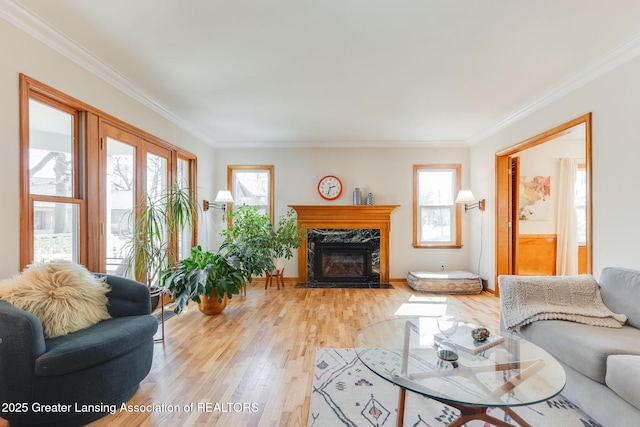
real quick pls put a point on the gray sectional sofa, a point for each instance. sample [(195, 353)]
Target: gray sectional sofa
[(602, 364)]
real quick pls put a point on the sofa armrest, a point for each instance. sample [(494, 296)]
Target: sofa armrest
[(21, 342), (127, 297)]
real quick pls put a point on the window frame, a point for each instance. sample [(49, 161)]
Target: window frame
[(89, 165), (456, 241), (258, 168)]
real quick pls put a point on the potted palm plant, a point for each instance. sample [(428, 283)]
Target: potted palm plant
[(207, 278), (149, 250)]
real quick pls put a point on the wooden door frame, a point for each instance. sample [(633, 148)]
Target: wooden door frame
[(503, 245)]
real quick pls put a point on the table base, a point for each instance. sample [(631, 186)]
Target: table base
[(467, 413)]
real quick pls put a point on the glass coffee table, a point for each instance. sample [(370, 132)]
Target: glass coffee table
[(511, 372)]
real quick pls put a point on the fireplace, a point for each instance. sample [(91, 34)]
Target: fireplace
[(337, 218), (343, 256), (343, 262)]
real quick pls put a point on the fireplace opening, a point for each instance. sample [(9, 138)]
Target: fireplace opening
[(343, 262), (343, 258)]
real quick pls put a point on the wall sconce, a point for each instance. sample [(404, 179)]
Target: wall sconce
[(467, 197), (222, 198)]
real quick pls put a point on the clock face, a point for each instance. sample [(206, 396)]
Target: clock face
[(330, 187)]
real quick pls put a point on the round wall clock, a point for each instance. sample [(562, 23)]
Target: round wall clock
[(330, 187)]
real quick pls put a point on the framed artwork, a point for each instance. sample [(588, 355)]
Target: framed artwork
[(535, 201)]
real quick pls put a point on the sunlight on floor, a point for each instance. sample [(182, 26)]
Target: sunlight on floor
[(427, 299), (423, 306)]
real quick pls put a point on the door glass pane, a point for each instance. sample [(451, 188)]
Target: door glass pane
[(56, 231), (156, 175), (185, 241), (51, 142), (120, 202), (157, 168)]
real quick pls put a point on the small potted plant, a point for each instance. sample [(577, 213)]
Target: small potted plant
[(207, 278)]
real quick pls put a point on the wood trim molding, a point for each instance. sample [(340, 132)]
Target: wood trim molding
[(346, 216), (503, 247)]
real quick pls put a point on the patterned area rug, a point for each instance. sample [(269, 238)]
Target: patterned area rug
[(347, 393)]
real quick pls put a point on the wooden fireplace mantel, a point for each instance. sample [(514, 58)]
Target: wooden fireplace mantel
[(346, 216)]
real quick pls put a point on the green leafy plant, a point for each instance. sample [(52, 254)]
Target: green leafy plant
[(150, 250), (287, 236), (250, 238), (203, 273), (257, 244)]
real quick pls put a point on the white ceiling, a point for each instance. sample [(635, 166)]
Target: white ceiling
[(346, 72)]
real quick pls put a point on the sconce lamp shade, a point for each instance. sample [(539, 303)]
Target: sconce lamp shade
[(465, 196), (223, 196)]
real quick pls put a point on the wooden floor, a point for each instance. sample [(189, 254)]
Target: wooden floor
[(255, 360)]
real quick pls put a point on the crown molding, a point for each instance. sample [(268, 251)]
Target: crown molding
[(32, 24), (339, 144), (606, 63)]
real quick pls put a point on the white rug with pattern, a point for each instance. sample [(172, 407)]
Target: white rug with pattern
[(347, 393)]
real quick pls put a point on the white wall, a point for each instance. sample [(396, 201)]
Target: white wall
[(21, 53), (614, 100), (385, 172)]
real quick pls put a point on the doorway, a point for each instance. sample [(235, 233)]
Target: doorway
[(510, 245)]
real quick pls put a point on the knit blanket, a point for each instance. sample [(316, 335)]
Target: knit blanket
[(526, 299)]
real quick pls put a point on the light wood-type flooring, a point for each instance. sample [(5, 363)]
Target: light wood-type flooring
[(252, 365)]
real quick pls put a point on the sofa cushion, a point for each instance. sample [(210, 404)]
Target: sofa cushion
[(620, 290), (620, 368), (89, 347), (583, 347)]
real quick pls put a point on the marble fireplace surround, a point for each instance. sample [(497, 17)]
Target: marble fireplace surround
[(345, 217)]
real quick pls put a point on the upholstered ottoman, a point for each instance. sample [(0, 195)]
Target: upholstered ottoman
[(445, 282)]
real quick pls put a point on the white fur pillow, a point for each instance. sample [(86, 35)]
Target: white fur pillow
[(65, 296)]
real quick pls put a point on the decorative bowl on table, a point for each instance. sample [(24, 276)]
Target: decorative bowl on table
[(480, 334)]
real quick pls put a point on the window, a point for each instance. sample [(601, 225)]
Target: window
[(54, 199), (185, 178), (436, 217), (83, 172), (252, 185), (581, 203)]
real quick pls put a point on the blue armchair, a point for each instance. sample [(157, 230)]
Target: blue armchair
[(74, 379)]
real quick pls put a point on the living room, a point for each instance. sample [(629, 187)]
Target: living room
[(604, 84)]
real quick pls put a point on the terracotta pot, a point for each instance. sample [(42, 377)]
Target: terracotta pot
[(210, 305)]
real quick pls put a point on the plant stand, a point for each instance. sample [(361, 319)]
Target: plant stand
[(160, 293)]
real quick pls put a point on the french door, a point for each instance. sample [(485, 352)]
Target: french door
[(131, 169)]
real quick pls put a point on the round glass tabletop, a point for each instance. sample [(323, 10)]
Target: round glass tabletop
[(504, 370)]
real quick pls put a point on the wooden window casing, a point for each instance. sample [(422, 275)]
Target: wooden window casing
[(456, 221), (89, 167)]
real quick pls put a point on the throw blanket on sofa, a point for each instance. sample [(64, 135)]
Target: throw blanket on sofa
[(525, 299)]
